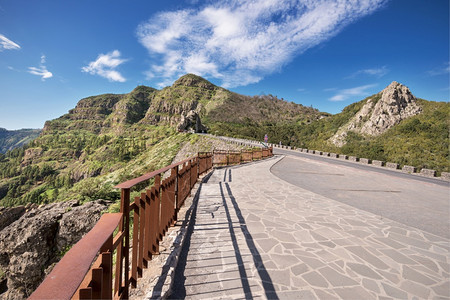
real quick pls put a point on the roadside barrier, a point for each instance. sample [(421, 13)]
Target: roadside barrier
[(394, 166)]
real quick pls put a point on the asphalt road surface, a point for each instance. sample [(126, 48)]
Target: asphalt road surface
[(420, 202)]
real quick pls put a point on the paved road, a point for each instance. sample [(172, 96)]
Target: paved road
[(256, 236), (416, 201)]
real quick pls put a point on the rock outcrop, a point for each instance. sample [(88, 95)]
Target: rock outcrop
[(10, 214), (191, 122), (31, 245), (380, 112)]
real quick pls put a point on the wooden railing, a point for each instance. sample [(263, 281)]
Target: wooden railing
[(86, 271), (226, 158), (69, 275)]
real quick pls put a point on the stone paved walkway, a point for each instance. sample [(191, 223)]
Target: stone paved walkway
[(256, 236)]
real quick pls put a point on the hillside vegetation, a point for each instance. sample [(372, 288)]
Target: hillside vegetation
[(420, 139), (110, 138)]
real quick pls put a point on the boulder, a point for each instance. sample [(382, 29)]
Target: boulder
[(32, 244)]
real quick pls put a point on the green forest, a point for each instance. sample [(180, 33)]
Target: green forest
[(82, 165)]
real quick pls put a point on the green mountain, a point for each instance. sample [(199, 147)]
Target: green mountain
[(189, 96), (10, 139), (109, 138)]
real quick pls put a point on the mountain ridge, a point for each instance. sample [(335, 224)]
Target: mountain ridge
[(10, 139), (189, 94), (108, 138)]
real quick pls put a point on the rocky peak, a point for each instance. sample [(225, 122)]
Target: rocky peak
[(191, 122), (380, 113), (142, 91), (192, 80), (398, 96)]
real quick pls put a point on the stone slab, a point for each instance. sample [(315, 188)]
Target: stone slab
[(445, 175), (365, 160), (392, 165), (378, 163), (409, 169), (428, 172)]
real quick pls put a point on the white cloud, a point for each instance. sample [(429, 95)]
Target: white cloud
[(240, 42), (7, 44), (377, 72), (41, 70), (356, 91), (105, 66), (445, 70)]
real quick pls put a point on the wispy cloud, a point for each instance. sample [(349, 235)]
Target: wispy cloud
[(440, 70), (240, 42), (344, 94), (7, 44), (105, 66), (41, 70), (377, 72)]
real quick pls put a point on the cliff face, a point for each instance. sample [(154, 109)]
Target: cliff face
[(37, 239), (106, 112), (380, 113), (189, 95)]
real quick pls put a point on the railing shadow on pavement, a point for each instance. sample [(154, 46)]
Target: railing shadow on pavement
[(267, 283), (154, 211), (179, 288)]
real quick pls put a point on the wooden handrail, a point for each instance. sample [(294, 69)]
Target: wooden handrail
[(132, 182), (67, 275), (154, 211)]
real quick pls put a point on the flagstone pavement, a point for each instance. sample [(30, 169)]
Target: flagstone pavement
[(256, 236)]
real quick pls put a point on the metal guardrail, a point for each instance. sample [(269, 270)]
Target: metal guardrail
[(78, 276)]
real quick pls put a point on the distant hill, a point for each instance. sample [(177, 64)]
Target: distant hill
[(10, 139)]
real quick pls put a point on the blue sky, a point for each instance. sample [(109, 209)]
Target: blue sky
[(327, 54)]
